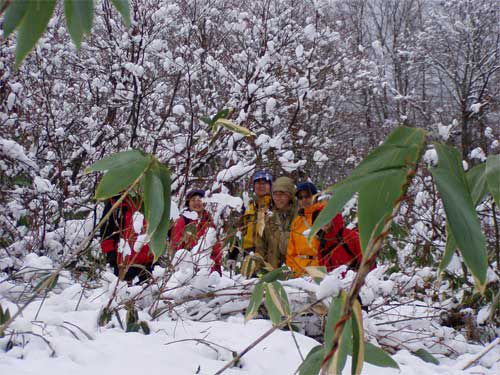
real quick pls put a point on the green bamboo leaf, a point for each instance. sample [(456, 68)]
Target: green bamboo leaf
[(276, 274), (14, 14), (123, 8), (158, 242), (255, 302), (460, 211), (47, 283), (376, 203), (153, 200), (493, 177), (79, 15), (277, 301), (344, 191), (334, 312), (4, 316), (32, 26), (451, 246), (338, 361), (104, 317), (378, 357), (117, 160), (312, 362), (358, 342), (233, 127), (426, 356), (476, 180), (117, 180), (385, 165), (272, 309)]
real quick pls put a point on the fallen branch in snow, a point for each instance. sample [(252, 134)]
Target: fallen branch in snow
[(284, 323), (482, 353)]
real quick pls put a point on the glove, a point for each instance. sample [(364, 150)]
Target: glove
[(231, 264)]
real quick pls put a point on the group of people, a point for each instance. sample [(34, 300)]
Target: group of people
[(276, 226), (272, 230)]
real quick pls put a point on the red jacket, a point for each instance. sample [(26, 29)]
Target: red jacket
[(120, 226), (187, 232), (339, 246)]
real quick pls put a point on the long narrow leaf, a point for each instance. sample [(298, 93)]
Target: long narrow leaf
[(255, 302), (476, 180), (158, 242), (378, 357), (358, 342), (13, 16), (32, 26), (493, 177), (334, 312), (79, 15), (233, 127), (118, 180), (460, 211), (153, 200), (272, 309), (312, 362), (118, 160), (376, 203), (122, 6)]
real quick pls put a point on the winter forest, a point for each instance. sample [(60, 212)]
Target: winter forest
[(183, 110)]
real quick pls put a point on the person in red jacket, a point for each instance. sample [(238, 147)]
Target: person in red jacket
[(189, 229), (122, 237), (338, 245)]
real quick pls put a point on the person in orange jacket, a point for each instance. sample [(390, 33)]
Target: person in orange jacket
[(300, 253)]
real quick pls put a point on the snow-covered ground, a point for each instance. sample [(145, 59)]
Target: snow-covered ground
[(61, 336)]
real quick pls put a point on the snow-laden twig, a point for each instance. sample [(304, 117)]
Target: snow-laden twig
[(482, 353)]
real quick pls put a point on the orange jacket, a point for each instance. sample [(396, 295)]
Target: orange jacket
[(299, 254)]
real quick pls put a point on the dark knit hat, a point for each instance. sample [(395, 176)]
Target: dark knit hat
[(192, 193), (307, 186)]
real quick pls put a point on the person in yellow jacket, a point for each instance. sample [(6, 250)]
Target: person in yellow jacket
[(253, 220), (300, 253)]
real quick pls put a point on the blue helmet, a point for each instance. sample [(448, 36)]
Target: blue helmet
[(307, 186), (262, 175)]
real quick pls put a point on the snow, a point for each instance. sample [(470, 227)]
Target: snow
[(138, 222), (15, 151), (299, 51), (124, 247), (444, 131), (192, 215), (225, 200), (476, 107), (77, 345), (236, 171), (431, 157), (42, 185), (478, 154), (179, 109)]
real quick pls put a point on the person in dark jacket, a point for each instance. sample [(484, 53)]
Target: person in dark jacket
[(192, 226), (122, 240)]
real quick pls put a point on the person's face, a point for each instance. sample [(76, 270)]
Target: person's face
[(281, 199), (196, 204), (261, 188), (305, 199)]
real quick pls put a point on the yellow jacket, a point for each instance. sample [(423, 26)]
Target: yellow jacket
[(250, 220), (299, 254)]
